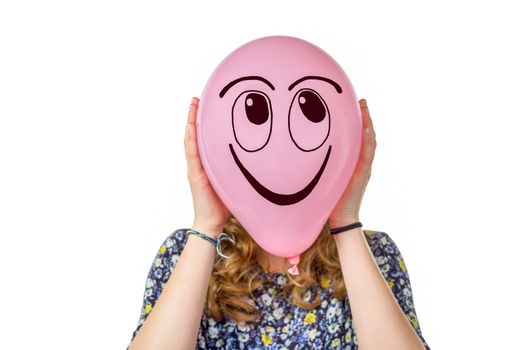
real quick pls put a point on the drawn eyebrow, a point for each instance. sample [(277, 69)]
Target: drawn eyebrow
[(251, 77), (334, 84)]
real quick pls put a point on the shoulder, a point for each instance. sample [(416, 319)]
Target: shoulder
[(161, 268), (174, 243), (393, 267), (380, 242), (168, 254), (386, 252)]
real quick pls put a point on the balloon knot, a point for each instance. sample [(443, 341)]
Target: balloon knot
[(294, 260), (293, 270)]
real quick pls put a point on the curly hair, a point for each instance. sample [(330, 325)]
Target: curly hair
[(233, 280)]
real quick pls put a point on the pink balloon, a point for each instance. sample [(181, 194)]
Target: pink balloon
[(279, 136)]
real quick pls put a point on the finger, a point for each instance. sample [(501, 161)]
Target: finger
[(192, 152), (192, 116), (190, 119), (368, 142), (367, 120), (368, 127)]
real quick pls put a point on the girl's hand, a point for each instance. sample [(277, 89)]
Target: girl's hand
[(346, 210), (210, 213)]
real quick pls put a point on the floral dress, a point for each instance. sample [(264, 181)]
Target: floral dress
[(284, 325)]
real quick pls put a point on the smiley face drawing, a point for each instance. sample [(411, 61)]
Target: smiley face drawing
[(256, 107), (279, 134)]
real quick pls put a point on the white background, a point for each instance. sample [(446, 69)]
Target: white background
[(93, 103)]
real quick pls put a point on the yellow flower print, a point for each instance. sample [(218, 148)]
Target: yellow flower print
[(348, 336), (336, 342), (162, 249), (402, 265), (266, 339), (313, 334), (414, 322), (158, 262), (309, 318), (325, 281), (270, 329), (390, 284), (147, 309)]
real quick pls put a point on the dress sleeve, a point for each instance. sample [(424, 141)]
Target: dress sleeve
[(160, 271), (394, 270)]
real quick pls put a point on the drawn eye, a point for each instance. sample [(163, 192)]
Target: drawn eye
[(257, 108), (252, 120), (309, 120), (312, 106)]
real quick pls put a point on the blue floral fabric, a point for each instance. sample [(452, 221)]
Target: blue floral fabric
[(284, 325)]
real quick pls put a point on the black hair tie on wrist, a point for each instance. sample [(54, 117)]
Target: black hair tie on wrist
[(334, 231)]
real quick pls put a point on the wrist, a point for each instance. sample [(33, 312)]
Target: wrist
[(343, 221), (354, 235), (212, 231)]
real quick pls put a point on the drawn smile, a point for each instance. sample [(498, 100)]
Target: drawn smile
[(279, 198)]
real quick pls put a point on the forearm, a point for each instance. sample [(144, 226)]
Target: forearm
[(379, 320), (174, 321)]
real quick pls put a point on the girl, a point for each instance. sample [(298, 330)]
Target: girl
[(353, 288)]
